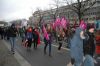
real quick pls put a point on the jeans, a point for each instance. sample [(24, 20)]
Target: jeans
[(12, 42), (35, 43), (60, 45), (47, 42)]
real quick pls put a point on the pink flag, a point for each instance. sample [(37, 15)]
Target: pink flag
[(83, 25), (53, 25), (45, 33), (63, 23), (57, 22)]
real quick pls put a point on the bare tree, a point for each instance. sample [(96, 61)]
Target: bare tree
[(54, 12), (39, 16), (80, 6)]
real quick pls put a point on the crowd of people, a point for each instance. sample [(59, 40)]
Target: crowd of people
[(81, 41)]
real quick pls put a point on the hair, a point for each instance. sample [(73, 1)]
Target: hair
[(49, 29)]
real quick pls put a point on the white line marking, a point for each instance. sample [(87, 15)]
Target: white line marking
[(61, 47), (18, 57), (57, 46)]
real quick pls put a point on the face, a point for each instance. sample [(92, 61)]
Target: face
[(91, 30)]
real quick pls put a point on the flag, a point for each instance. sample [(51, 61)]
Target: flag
[(83, 25), (63, 23), (57, 22), (45, 33), (53, 26)]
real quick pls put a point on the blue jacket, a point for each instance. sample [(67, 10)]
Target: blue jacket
[(77, 46)]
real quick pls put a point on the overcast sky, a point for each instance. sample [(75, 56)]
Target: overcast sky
[(15, 9)]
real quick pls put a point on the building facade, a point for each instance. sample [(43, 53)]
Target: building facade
[(90, 15)]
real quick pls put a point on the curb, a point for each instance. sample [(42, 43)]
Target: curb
[(18, 57)]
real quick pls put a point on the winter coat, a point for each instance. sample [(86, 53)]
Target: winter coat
[(12, 32), (77, 46), (50, 39), (36, 36), (89, 44)]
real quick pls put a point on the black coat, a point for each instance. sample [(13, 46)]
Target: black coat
[(12, 32), (89, 44)]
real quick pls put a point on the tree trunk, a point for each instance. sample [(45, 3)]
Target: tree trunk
[(79, 15)]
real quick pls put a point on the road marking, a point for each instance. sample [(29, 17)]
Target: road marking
[(18, 57), (61, 47), (57, 46)]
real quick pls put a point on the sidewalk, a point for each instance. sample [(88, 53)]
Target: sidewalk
[(6, 59)]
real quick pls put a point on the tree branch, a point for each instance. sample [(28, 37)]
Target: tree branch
[(91, 5)]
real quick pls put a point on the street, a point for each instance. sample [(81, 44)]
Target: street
[(37, 57), (70, 25)]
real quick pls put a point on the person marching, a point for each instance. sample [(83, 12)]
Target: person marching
[(89, 43), (36, 38), (47, 38), (89, 46), (60, 38), (22, 33), (12, 36), (29, 37), (77, 45)]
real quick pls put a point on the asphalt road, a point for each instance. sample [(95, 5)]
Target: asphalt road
[(37, 57)]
